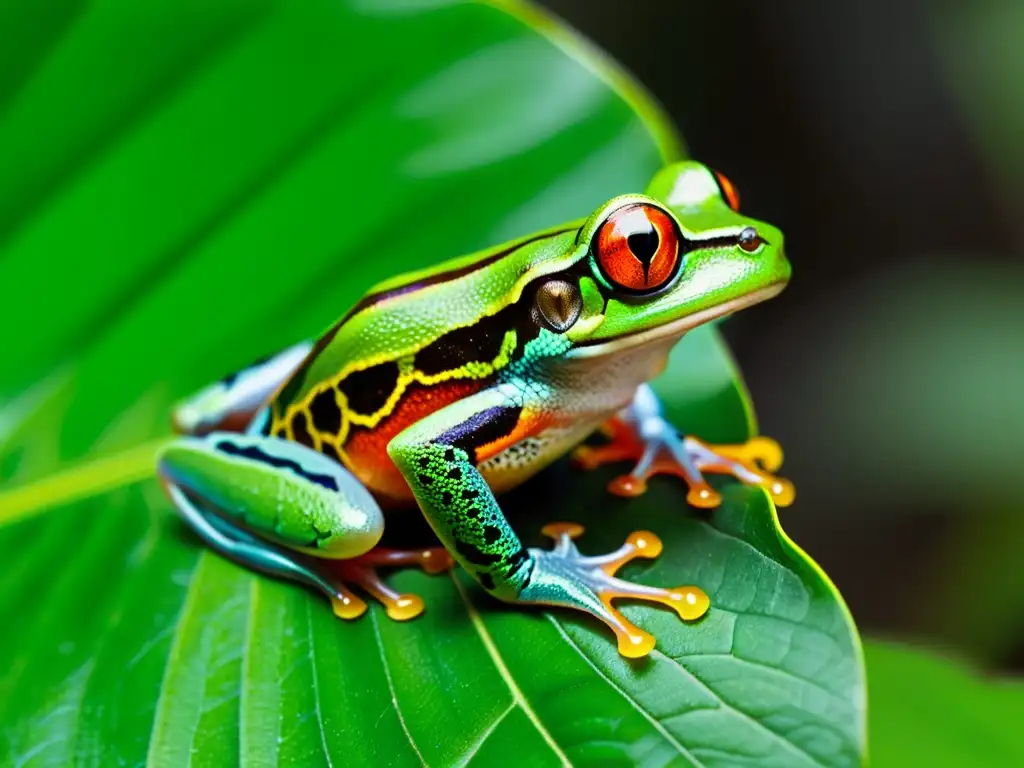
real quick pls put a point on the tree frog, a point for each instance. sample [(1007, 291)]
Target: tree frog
[(446, 387)]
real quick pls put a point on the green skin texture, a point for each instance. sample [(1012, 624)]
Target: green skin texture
[(584, 373)]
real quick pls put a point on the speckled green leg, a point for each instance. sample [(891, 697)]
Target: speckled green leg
[(438, 458)]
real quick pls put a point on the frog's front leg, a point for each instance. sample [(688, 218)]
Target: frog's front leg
[(438, 458), (280, 507), (640, 433)]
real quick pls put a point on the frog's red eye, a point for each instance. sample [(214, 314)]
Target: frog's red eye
[(637, 248), (729, 191)]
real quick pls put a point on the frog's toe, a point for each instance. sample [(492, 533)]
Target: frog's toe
[(764, 451), (346, 605), (362, 571), (646, 438), (752, 462), (628, 486), (623, 445), (398, 606), (564, 577), (431, 560), (590, 457), (703, 496)]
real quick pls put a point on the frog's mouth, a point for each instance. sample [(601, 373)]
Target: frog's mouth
[(676, 328)]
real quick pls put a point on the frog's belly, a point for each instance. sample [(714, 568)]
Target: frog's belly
[(521, 461), (504, 471), (576, 400)]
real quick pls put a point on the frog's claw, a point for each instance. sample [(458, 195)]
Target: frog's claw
[(362, 571), (562, 576), (655, 446)]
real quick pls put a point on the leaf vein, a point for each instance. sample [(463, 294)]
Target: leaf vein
[(191, 596), (632, 702), (727, 706), (316, 685), (486, 734), (499, 663), (768, 667), (391, 686)]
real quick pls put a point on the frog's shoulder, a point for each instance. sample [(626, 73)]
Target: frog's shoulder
[(402, 315)]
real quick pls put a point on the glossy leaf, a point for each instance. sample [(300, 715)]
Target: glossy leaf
[(222, 179)]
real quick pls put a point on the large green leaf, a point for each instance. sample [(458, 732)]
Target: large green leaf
[(189, 185)]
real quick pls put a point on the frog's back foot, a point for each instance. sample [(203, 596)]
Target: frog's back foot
[(332, 578), (244, 548), (230, 403), (281, 508), (363, 572)]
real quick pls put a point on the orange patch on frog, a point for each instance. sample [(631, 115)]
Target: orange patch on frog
[(530, 423), (366, 450)]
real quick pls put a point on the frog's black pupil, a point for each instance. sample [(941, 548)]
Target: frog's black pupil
[(644, 245)]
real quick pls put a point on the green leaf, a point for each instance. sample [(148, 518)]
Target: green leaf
[(934, 711), (220, 180)]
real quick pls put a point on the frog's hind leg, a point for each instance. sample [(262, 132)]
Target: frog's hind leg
[(640, 433), (284, 509), (229, 404), (242, 547)]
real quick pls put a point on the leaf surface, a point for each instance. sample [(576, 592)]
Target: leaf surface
[(220, 180)]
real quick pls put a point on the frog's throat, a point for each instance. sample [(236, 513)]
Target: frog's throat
[(677, 327)]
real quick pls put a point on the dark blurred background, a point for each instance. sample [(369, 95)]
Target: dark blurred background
[(886, 138)]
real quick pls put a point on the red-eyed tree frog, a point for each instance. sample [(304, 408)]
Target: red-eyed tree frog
[(444, 388)]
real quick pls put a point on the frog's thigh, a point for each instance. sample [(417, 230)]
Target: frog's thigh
[(438, 457), (232, 401), (279, 490)]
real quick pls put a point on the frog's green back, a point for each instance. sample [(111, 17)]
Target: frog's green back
[(401, 316)]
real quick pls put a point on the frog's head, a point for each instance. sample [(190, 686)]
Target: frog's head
[(661, 263)]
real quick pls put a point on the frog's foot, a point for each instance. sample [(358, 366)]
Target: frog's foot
[(330, 577), (563, 577), (658, 449), (362, 571)]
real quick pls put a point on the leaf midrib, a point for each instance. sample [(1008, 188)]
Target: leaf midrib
[(316, 682), (391, 688), (517, 695), (81, 481)]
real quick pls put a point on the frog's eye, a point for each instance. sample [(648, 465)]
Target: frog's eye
[(729, 191), (637, 248)]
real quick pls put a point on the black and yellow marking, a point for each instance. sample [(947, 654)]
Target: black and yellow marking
[(362, 398)]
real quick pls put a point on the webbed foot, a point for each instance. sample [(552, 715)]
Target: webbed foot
[(656, 447), (331, 577), (562, 576), (362, 571)]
